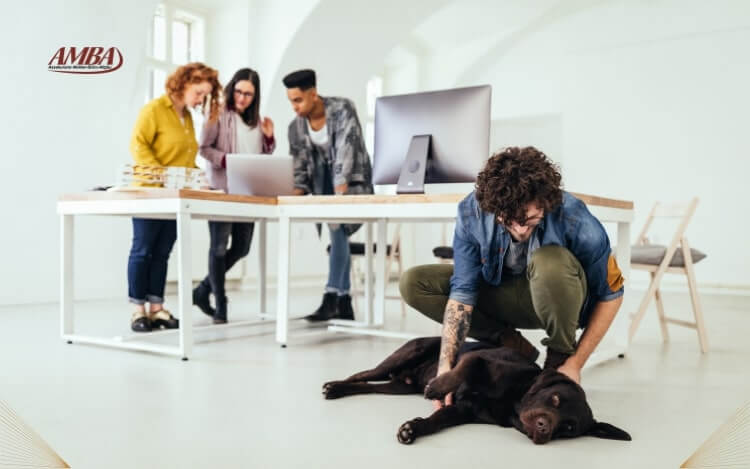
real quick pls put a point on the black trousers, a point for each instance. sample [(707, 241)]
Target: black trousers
[(222, 256)]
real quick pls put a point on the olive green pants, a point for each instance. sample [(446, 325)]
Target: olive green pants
[(549, 296)]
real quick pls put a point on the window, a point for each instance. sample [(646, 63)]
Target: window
[(176, 38), (374, 91)]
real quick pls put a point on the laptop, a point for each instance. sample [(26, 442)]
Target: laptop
[(263, 175)]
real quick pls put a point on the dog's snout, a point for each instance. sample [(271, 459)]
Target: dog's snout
[(542, 425)]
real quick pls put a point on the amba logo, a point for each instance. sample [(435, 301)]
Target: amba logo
[(88, 60)]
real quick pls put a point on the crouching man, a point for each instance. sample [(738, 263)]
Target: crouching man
[(527, 255)]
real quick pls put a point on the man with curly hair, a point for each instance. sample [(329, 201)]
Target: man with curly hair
[(527, 255)]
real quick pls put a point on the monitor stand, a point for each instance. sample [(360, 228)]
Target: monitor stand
[(411, 180)]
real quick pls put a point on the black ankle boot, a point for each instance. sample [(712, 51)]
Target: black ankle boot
[(200, 298), (344, 306), (220, 316), (327, 309)]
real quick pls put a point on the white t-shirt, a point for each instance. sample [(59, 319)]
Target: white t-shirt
[(249, 140), (318, 137)]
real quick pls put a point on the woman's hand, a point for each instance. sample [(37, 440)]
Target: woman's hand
[(266, 126)]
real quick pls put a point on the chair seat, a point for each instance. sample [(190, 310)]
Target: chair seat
[(653, 254), (358, 249), (443, 252)]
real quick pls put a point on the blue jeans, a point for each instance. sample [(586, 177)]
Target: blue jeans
[(147, 264), (339, 262)]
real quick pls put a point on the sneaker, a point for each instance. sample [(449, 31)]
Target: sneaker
[(139, 322), (163, 319), (327, 309), (201, 299), (344, 307)]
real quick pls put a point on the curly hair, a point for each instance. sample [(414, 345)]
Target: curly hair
[(196, 72), (515, 177)]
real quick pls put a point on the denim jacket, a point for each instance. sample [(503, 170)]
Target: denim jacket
[(479, 245)]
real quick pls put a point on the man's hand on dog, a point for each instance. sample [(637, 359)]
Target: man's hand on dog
[(437, 404), (571, 370)]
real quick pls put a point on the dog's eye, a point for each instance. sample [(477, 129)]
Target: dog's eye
[(555, 400)]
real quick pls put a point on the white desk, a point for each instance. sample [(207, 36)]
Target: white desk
[(381, 209), (184, 205), (180, 205)]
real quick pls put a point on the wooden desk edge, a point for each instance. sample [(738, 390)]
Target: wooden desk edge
[(426, 198), (166, 194), (307, 199)]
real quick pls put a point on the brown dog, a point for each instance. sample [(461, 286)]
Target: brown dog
[(491, 385)]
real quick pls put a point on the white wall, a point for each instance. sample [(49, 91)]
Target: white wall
[(346, 43), (273, 27), (69, 133), (652, 100), (64, 133), (228, 38), (87, 122), (617, 86)]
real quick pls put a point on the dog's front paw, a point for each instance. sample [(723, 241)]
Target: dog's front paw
[(431, 393), (333, 389), (437, 388), (407, 432)]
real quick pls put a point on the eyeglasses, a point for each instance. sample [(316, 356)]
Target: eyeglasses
[(531, 222), (246, 94)]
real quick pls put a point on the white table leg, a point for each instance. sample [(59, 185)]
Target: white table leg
[(368, 274), (260, 227), (623, 248), (185, 283), (282, 293), (66, 275), (622, 321), (380, 279)]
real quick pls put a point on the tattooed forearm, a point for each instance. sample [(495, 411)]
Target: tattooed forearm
[(456, 322)]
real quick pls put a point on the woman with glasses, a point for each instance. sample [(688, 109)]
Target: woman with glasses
[(239, 129), (164, 136)]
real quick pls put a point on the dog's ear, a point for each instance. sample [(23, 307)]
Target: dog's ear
[(607, 431)]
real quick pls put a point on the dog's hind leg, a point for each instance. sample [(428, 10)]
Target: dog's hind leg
[(409, 354), (448, 416), (336, 389)]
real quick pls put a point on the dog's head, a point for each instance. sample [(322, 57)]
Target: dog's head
[(555, 407)]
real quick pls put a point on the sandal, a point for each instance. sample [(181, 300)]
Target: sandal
[(139, 322), (163, 319)]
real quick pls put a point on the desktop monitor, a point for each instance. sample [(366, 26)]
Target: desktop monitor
[(432, 137)]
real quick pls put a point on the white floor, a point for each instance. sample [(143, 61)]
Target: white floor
[(243, 402)]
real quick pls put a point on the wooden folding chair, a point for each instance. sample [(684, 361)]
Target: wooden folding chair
[(677, 258), (392, 255)]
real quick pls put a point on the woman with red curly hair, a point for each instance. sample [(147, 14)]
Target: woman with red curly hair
[(164, 136)]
